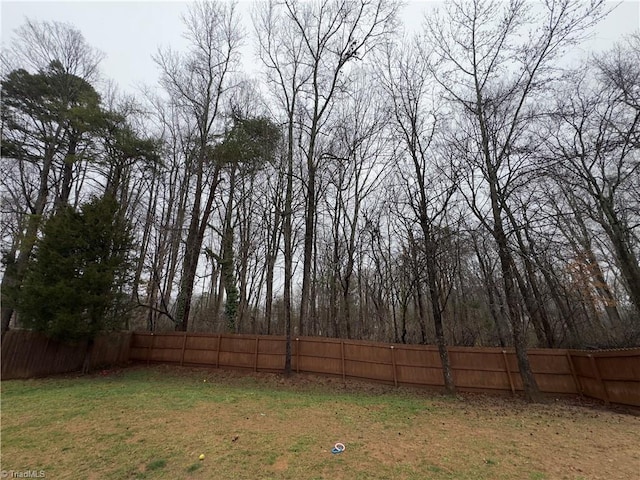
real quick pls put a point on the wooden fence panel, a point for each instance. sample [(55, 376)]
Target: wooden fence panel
[(480, 369), (552, 370), (111, 349), (591, 385), (273, 346), (270, 362), (492, 360), (369, 371), (481, 380), (28, 354), (319, 348), (200, 357), (169, 341), (622, 368), (327, 366), (202, 343), (140, 345), (411, 356), (551, 361), (619, 372), (419, 375), (367, 353)]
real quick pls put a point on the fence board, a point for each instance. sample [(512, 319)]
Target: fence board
[(414, 375), (482, 379), (491, 361), (618, 368), (555, 363), (413, 357), (625, 393), (200, 357)]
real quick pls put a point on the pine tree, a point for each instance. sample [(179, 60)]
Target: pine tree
[(75, 285)]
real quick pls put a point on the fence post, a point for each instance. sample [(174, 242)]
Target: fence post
[(297, 355), (218, 351), (255, 363), (342, 359), (506, 364), (596, 370), (574, 374), (150, 349), (393, 366), (184, 345)]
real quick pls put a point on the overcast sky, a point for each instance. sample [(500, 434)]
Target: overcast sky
[(129, 32)]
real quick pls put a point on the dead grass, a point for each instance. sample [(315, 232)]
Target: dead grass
[(155, 422)]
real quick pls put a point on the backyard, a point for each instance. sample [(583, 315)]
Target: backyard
[(155, 422)]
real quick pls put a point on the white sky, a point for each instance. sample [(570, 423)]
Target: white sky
[(129, 32)]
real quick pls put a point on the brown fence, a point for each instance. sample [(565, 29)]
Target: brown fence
[(27, 354), (611, 376)]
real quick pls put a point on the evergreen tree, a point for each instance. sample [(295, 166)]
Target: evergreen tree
[(75, 285)]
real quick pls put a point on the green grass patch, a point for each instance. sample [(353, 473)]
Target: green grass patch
[(154, 423), (193, 467), (156, 464)]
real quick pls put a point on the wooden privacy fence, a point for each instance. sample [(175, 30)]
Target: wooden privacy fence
[(27, 354), (611, 376)]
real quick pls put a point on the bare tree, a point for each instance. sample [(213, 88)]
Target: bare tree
[(196, 81), (166, 210), (595, 134), (281, 52), (38, 44), (573, 222), (354, 167), (324, 38), (495, 61), (428, 182)]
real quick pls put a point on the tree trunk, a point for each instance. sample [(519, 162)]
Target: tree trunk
[(13, 278), (9, 288), (437, 309), (86, 365), (288, 244), (227, 264), (195, 237), (271, 257), (531, 390), (67, 172), (309, 225), (507, 264)]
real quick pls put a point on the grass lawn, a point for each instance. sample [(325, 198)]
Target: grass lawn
[(154, 422)]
